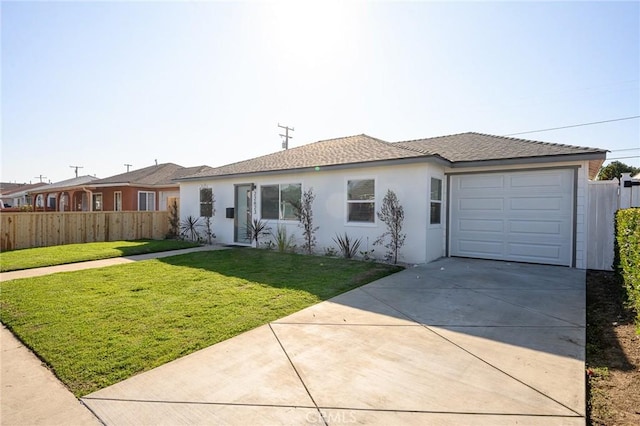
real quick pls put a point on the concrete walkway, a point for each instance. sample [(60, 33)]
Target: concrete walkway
[(457, 341), (92, 264), (30, 394), (452, 342)]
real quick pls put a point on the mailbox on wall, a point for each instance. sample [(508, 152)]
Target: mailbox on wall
[(230, 212)]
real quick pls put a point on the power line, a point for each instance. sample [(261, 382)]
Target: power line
[(622, 158), (575, 125)]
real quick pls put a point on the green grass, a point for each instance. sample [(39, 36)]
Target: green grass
[(99, 326), (71, 253)]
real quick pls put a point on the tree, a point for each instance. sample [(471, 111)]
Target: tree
[(615, 170), (304, 213), (392, 214), (174, 220), (207, 211)]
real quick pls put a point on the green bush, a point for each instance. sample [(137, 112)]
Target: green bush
[(627, 255)]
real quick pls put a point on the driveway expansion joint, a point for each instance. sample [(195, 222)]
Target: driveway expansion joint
[(298, 374)]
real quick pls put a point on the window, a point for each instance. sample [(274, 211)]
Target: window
[(279, 201), (206, 202), (117, 201), (435, 216), (146, 201), (96, 202), (51, 202), (361, 205)]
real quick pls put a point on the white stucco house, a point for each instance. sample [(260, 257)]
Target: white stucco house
[(468, 195)]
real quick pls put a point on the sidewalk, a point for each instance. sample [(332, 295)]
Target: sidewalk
[(36, 272), (30, 392)]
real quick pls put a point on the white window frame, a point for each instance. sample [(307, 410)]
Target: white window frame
[(350, 202), (147, 193), (117, 201), (281, 204), (436, 201)]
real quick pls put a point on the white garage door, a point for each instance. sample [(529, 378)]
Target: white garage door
[(518, 216)]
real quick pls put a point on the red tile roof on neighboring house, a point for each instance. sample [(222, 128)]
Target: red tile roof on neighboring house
[(453, 149)]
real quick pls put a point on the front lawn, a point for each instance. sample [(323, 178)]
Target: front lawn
[(70, 253), (100, 326)]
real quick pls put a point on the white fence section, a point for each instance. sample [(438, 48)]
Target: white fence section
[(605, 198)]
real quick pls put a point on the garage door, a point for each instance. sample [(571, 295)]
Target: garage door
[(518, 216)]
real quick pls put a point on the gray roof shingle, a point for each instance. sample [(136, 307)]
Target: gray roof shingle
[(161, 174), (331, 152), (463, 147)]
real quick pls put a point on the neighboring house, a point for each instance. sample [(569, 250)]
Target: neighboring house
[(149, 189), (469, 195), (16, 196), (67, 195)]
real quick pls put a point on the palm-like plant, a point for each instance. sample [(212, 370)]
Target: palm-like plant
[(189, 228), (348, 246), (284, 241), (256, 228)]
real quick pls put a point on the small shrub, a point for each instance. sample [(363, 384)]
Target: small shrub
[(627, 255), (330, 252), (283, 241), (348, 246)]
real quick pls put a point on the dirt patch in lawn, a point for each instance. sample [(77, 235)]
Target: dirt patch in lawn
[(613, 354)]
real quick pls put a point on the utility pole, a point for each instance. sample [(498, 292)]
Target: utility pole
[(40, 177), (76, 167), (127, 166), (285, 142)]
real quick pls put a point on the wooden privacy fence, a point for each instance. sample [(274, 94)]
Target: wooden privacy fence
[(24, 230)]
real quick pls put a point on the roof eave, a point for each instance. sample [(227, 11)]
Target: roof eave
[(556, 158), (408, 160)]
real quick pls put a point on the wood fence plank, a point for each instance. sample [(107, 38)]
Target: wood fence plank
[(38, 229)]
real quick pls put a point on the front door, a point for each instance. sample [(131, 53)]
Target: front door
[(242, 215)]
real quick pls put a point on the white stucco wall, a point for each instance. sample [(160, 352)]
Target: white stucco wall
[(410, 182)]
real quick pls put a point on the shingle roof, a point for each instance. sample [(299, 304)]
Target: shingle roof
[(79, 181), (161, 174), (20, 188), (459, 148), (472, 146), (339, 151)]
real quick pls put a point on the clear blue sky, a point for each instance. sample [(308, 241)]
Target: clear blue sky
[(101, 84)]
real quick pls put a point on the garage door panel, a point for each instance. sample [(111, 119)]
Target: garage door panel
[(484, 181), (543, 252), (519, 216), (480, 248), (535, 227), (481, 225), (551, 204), (481, 204), (543, 181)]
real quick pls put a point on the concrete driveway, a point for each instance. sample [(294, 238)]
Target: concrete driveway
[(457, 341)]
